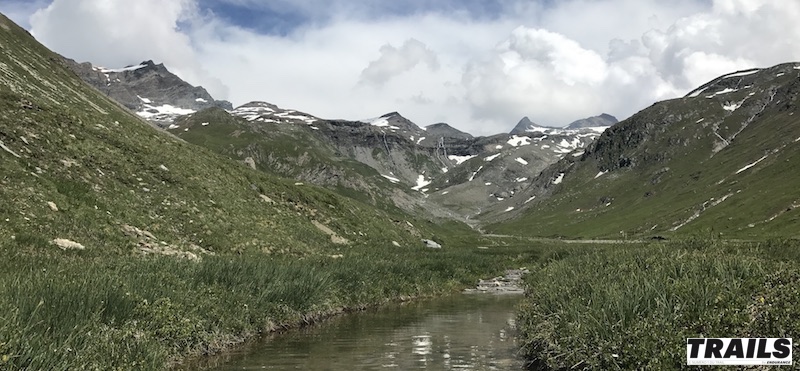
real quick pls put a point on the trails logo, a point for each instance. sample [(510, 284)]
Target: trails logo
[(738, 351)]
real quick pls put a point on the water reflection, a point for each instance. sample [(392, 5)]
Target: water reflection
[(474, 332)]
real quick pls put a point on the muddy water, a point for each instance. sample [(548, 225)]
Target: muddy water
[(463, 331)]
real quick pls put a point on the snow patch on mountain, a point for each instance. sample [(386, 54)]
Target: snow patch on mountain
[(743, 73), (269, 113), (723, 91), (421, 182), (492, 157), (162, 112), (391, 178), (697, 92), (460, 159), (731, 106), (118, 70), (475, 173), (517, 141), (378, 121), (751, 165)]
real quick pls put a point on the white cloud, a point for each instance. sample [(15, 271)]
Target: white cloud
[(394, 61), (116, 34), (20, 11), (554, 63)]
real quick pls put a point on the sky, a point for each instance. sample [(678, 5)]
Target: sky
[(478, 65)]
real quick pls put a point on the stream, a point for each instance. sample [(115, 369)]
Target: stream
[(461, 331)]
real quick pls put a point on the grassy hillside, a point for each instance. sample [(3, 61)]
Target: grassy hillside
[(124, 247), (719, 163)]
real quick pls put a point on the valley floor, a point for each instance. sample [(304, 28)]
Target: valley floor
[(587, 306), (82, 310)]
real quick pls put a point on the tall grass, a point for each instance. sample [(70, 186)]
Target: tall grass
[(87, 310), (632, 307)]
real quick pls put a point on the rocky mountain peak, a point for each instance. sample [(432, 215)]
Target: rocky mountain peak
[(524, 125), (394, 122), (149, 89)]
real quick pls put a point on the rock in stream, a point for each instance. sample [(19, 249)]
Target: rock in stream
[(510, 283)]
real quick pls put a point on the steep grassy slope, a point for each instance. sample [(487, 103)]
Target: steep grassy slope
[(102, 168), (123, 247), (720, 161)]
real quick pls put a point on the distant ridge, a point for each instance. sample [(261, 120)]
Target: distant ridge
[(594, 121)]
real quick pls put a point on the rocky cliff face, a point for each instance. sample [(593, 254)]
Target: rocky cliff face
[(149, 89)]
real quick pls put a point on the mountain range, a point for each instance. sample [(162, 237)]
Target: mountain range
[(719, 161), (436, 169), (528, 176), (667, 169)]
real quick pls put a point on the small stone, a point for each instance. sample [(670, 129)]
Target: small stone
[(65, 244), (396, 244), (339, 240), (52, 205), (431, 244), (250, 162), (162, 167)]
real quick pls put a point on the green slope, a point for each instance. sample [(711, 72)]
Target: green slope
[(67, 144), (168, 249), (683, 166)]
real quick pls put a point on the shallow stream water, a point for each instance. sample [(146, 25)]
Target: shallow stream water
[(463, 331)]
